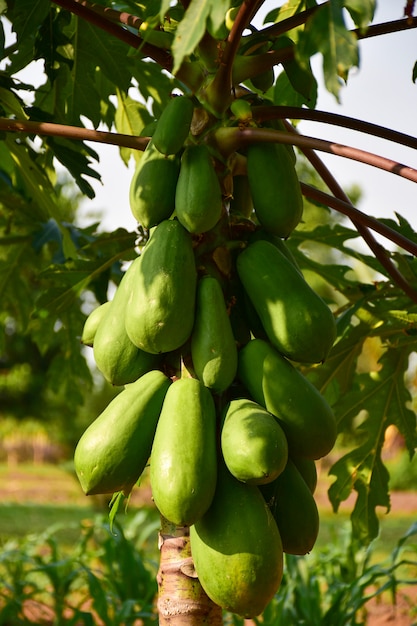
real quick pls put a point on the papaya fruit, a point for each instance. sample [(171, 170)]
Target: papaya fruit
[(294, 510), (213, 346), (308, 470), (152, 188), (295, 318), (279, 243), (237, 549), (198, 198), (184, 459), (159, 315), (275, 189), (91, 324), (114, 450), (117, 358), (274, 383), (253, 443), (173, 125)]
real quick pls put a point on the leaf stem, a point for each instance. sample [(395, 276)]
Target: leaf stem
[(231, 139), (263, 113), (73, 132), (219, 91)]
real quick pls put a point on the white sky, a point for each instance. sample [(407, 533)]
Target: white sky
[(381, 91)]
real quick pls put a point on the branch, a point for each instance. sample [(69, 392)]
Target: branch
[(229, 140), (263, 113), (73, 132), (350, 211), (379, 251)]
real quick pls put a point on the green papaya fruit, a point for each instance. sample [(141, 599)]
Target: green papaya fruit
[(183, 459), (198, 199), (237, 549), (274, 383), (159, 316), (114, 450), (153, 185), (294, 510), (275, 188), (279, 243), (117, 358), (308, 470), (91, 324), (296, 319), (263, 81), (173, 125), (213, 346), (253, 443)]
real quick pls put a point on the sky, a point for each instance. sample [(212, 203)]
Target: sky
[(380, 91)]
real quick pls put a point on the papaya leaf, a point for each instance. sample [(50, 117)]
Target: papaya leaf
[(26, 17), (131, 117), (66, 282), (325, 32), (361, 11), (76, 162), (382, 396), (190, 31)]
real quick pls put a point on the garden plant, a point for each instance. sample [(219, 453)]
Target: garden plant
[(236, 326)]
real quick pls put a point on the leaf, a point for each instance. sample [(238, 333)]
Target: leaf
[(26, 17), (325, 32), (383, 396), (190, 31), (361, 11), (131, 117), (36, 183)]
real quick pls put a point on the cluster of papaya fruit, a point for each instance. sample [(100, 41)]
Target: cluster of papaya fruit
[(231, 426)]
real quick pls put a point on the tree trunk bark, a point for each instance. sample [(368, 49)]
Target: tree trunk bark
[(181, 599)]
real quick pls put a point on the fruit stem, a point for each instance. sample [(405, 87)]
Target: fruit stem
[(218, 93)]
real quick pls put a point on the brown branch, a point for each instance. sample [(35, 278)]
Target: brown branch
[(118, 17), (350, 211), (85, 11), (263, 113), (231, 139), (379, 251), (73, 132)]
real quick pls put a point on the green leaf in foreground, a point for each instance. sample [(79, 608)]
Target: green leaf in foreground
[(382, 398)]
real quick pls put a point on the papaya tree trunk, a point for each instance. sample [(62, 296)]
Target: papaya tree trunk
[(181, 599)]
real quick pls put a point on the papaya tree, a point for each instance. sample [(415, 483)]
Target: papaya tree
[(236, 333)]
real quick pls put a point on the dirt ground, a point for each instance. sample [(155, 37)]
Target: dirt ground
[(18, 486)]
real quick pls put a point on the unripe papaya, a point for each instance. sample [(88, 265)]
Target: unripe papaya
[(174, 125), (114, 450), (308, 470), (296, 319), (160, 313), (91, 324), (275, 189), (152, 188), (117, 358), (198, 199), (183, 458), (279, 243), (253, 443), (294, 509), (213, 346), (304, 414), (237, 549)]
